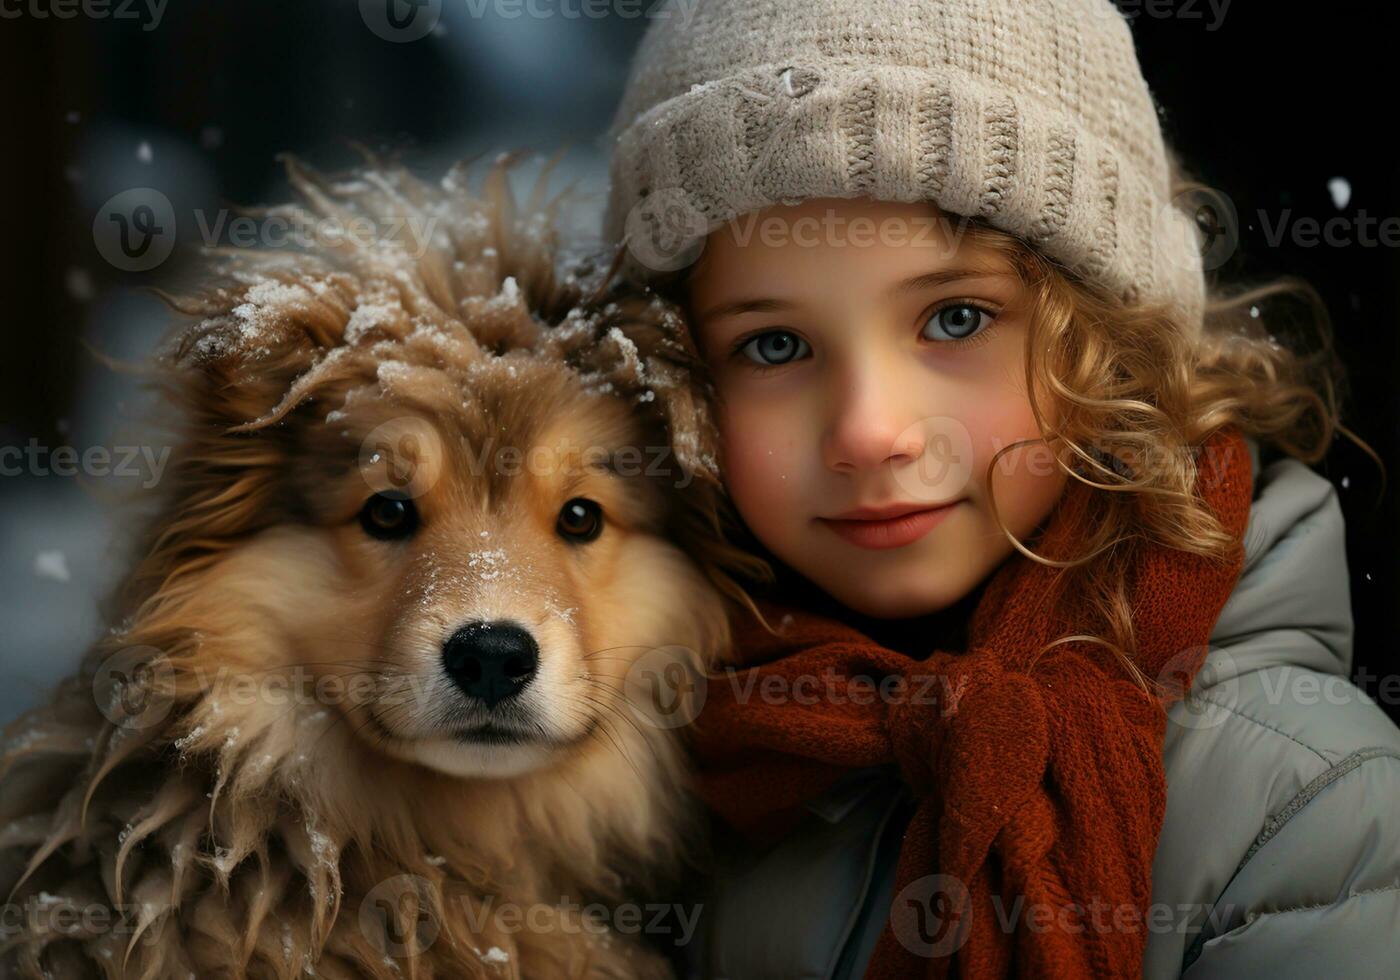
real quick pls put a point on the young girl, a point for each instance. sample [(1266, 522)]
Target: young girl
[(1024, 485)]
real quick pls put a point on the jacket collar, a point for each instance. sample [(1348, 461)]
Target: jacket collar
[(1292, 604)]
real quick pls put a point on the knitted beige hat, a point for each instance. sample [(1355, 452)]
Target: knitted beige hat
[(1031, 114)]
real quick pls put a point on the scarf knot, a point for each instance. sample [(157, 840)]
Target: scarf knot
[(965, 718)]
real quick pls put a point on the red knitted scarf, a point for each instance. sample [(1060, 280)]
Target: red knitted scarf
[(1038, 775)]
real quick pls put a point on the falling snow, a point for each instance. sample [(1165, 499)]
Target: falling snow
[(78, 283), (53, 565), (1340, 189)]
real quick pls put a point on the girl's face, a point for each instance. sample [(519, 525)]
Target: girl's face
[(869, 361)]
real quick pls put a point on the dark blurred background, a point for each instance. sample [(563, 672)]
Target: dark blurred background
[(1287, 110)]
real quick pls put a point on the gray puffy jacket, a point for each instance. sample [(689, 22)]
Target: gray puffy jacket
[(1280, 850)]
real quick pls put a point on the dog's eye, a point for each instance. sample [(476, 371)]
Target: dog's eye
[(385, 516), (581, 520)]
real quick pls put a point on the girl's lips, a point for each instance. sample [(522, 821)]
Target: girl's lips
[(893, 532)]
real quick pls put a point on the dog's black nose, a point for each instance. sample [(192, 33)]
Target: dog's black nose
[(491, 661)]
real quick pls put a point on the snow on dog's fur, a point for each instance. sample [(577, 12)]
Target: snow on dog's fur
[(281, 762)]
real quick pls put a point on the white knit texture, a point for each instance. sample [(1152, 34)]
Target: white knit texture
[(1032, 114)]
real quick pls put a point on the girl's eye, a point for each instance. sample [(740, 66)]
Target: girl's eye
[(957, 321), (774, 347), (386, 517), (580, 520)]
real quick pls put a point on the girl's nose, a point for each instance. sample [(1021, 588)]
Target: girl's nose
[(869, 425)]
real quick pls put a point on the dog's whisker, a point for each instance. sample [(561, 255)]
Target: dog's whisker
[(617, 745), (622, 646), (619, 698), (358, 667), (610, 711), (341, 718)]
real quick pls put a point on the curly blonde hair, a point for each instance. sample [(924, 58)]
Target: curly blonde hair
[(1134, 397)]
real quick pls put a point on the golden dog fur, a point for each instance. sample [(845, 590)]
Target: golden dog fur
[(228, 826)]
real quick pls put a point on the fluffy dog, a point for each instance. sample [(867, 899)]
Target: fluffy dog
[(382, 700)]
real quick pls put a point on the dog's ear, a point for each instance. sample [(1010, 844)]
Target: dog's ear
[(637, 347), (248, 342)]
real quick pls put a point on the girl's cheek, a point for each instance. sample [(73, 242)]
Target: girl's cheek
[(1027, 482), (760, 468)]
